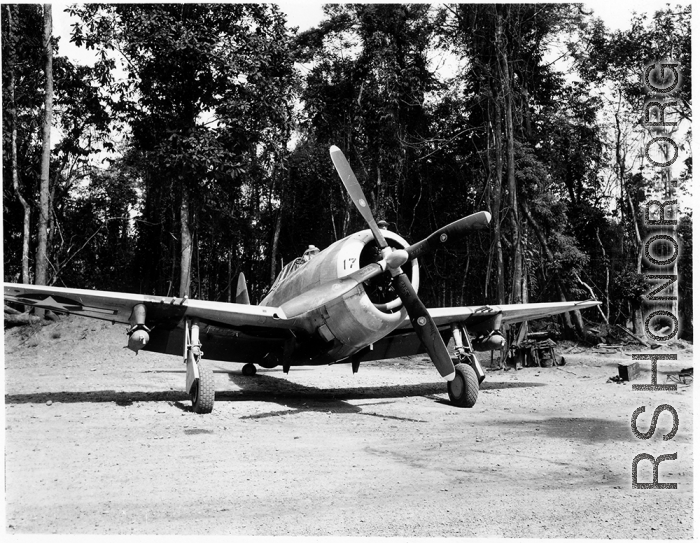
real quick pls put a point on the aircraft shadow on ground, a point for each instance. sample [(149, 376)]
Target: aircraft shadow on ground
[(295, 397), (590, 429)]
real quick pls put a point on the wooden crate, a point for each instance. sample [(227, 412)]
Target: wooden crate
[(628, 371)]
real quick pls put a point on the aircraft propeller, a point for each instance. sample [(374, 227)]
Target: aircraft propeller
[(421, 320)]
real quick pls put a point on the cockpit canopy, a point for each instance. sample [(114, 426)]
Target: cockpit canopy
[(293, 266)]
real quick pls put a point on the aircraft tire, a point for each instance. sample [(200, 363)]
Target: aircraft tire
[(463, 390), (249, 370), (202, 394)]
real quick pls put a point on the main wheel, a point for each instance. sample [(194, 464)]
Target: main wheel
[(249, 370), (471, 360), (202, 393), (464, 388)]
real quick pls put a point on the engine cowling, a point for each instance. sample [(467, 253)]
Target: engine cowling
[(362, 315), (372, 310), (378, 289)]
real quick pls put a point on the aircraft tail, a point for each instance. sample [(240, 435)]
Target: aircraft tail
[(242, 291)]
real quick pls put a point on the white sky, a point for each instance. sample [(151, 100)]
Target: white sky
[(306, 14), (618, 13)]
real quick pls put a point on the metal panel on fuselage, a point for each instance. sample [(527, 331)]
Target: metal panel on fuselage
[(326, 266), (351, 319)]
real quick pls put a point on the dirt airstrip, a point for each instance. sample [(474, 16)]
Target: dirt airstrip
[(101, 441)]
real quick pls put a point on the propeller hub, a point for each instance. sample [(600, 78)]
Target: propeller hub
[(396, 259)]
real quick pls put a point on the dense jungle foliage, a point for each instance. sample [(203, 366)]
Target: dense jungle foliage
[(197, 147)]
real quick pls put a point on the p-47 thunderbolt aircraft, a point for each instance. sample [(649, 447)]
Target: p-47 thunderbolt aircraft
[(351, 302)]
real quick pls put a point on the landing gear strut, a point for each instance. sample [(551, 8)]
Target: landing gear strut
[(200, 380), (463, 390)]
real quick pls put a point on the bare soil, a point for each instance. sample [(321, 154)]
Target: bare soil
[(99, 441)]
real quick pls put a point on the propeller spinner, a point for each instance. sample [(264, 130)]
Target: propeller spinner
[(421, 320)]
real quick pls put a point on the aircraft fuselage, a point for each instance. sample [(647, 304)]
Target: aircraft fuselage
[(352, 321)]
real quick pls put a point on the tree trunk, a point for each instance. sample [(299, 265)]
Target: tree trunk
[(568, 325), (593, 296), (41, 252), (185, 243), (505, 76), (606, 262), (230, 275), (276, 237), (495, 129), (525, 297), (636, 307), (620, 161), (380, 209), (20, 319), (15, 170), (275, 246), (198, 293), (671, 229), (637, 318)]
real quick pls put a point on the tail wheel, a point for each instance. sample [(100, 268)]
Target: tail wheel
[(464, 388), (202, 393)]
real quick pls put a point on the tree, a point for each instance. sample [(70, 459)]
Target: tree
[(208, 100), (79, 122), (614, 62), (11, 43), (42, 251), (368, 92), (513, 95)]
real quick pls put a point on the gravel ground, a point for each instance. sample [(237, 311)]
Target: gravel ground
[(99, 441)]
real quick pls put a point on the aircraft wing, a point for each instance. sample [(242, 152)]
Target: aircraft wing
[(510, 313), (163, 311)]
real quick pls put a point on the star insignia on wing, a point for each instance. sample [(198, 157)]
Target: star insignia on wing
[(62, 304)]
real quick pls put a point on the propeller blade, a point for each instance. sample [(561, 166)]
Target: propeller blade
[(327, 292), (425, 327), (355, 191), (421, 320), (450, 233)]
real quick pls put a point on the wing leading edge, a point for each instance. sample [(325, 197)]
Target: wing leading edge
[(510, 313), (117, 306)]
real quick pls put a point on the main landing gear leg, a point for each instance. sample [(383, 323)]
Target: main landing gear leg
[(200, 380), (463, 390)]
